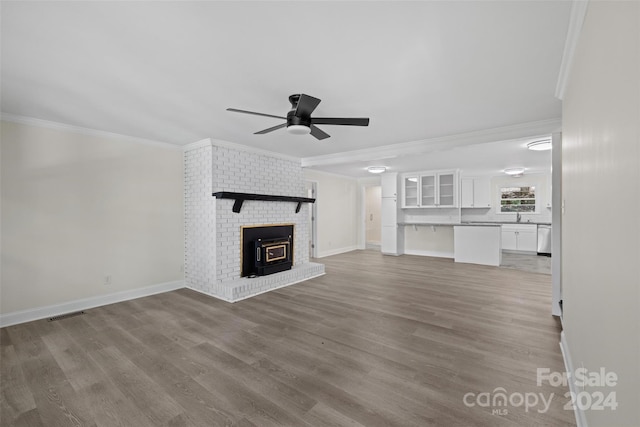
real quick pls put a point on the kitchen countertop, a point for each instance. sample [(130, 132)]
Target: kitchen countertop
[(452, 224), (506, 222), (449, 224), (474, 223)]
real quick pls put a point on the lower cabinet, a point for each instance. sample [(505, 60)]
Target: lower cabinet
[(520, 237), (392, 240)]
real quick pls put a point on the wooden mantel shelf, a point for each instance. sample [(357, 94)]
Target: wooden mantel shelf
[(241, 197)]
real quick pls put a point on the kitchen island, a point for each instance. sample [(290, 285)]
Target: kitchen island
[(475, 243), (478, 244)]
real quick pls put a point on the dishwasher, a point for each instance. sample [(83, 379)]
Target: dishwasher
[(544, 240)]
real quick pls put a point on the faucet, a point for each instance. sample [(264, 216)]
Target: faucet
[(518, 217)]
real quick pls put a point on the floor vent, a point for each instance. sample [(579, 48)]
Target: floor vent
[(65, 316)]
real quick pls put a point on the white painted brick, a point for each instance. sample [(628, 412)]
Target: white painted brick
[(212, 230)]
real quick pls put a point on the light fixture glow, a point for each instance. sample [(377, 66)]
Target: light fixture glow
[(540, 145), (299, 129), (514, 172), (377, 169)]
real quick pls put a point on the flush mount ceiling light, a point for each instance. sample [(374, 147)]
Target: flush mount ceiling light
[(540, 145), (514, 172), (377, 169), (299, 129)]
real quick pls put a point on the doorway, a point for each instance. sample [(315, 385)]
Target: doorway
[(373, 223)]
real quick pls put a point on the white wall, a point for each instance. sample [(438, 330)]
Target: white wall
[(337, 209), (542, 182), (601, 191), (78, 207)]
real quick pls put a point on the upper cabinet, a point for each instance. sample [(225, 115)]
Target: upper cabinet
[(430, 190), (410, 191), (389, 183), (475, 192)]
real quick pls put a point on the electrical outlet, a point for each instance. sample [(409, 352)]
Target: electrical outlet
[(181, 268), (107, 280)]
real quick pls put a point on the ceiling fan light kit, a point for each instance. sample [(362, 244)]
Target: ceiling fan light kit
[(299, 129), (299, 120)]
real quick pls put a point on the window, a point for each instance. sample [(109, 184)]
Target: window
[(518, 199)]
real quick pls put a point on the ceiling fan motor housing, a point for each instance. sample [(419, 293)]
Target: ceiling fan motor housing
[(292, 119)]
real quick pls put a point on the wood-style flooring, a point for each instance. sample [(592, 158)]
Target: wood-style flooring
[(377, 341)]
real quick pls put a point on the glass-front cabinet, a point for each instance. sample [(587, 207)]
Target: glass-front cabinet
[(410, 191), (437, 189), (428, 190), (447, 189)]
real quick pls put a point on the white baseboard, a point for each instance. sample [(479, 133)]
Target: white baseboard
[(581, 420), (337, 251), (29, 315), (436, 254)]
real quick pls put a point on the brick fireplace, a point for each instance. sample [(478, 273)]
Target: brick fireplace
[(213, 231)]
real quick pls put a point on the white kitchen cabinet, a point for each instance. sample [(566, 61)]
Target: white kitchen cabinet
[(466, 192), (430, 190), (528, 240), (475, 192), (509, 240), (410, 191), (392, 240), (447, 184), (389, 211), (389, 183), (520, 237)]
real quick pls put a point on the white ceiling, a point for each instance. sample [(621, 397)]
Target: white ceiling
[(167, 71)]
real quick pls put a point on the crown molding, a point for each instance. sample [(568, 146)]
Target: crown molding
[(30, 121), (576, 20), (524, 130)]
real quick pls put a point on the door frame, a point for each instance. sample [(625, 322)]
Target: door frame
[(362, 237), (313, 226)]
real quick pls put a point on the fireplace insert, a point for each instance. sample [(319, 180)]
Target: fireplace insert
[(266, 249), (272, 255)]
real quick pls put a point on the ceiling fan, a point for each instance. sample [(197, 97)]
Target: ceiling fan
[(299, 120)]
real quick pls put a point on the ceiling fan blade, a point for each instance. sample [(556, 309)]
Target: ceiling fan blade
[(319, 133), (235, 110), (340, 121), (270, 129), (306, 105)]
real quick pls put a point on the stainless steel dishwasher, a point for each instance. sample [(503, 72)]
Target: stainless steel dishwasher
[(544, 240)]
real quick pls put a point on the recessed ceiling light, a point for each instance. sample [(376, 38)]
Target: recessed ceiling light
[(540, 145), (514, 172), (377, 169)]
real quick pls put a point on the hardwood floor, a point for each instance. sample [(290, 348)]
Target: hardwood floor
[(377, 341)]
